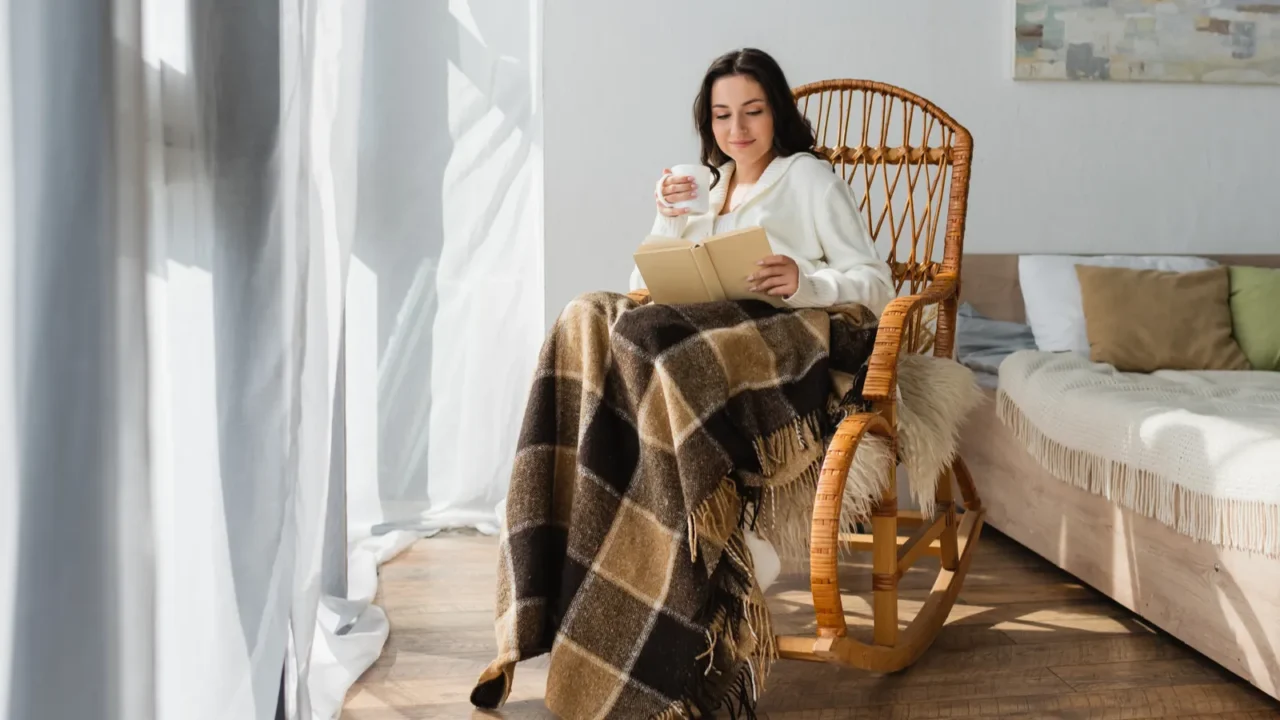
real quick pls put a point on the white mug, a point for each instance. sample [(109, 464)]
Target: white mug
[(701, 175)]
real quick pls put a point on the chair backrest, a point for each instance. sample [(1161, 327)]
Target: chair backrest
[(907, 161)]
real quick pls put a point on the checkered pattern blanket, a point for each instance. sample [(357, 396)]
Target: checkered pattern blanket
[(652, 437)]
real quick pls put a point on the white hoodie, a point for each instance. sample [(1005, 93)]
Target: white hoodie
[(810, 215)]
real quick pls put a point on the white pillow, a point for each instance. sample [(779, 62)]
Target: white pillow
[(1051, 292)]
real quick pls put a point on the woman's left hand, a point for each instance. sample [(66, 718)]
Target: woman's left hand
[(778, 275)]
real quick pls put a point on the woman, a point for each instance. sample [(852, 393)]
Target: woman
[(657, 439), (765, 173)]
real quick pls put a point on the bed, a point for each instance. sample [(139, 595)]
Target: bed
[(1221, 595)]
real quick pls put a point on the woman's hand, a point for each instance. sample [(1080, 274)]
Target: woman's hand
[(778, 275), (674, 189)]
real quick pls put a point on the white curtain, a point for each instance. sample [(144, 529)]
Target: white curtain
[(445, 295), (272, 291), (75, 582), (446, 292), (179, 198)]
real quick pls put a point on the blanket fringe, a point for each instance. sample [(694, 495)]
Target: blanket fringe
[(1239, 524), (754, 642), (740, 702), (760, 624), (778, 452), (744, 633), (786, 518), (781, 447), (675, 712), (716, 518)]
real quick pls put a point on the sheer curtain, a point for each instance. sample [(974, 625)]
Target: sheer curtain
[(445, 294), (445, 302), (272, 290), (179, 209), (75, 586)]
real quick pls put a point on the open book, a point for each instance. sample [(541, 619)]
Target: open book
[(678, 272)]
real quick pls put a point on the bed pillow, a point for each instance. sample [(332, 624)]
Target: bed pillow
[(1148, 320), (1051, 292), (1255, 305)]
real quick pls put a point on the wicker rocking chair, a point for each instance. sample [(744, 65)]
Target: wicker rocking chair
[(907, 161), (899, 151)]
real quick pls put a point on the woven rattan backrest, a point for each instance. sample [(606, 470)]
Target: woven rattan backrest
[(907, 162)]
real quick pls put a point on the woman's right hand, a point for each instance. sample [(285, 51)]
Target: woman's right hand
[(674, 189)]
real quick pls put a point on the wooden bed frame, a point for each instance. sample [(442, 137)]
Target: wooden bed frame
[(1224, 603)]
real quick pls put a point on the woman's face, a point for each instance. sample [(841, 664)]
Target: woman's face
[(742, 120)]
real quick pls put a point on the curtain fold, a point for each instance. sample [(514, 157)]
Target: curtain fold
[(272, 292), (181, 197), (77, 582)]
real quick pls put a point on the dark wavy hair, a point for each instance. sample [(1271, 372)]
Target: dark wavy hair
[(792, 132)]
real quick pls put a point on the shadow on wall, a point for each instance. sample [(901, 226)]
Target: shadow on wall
[(447, 128)]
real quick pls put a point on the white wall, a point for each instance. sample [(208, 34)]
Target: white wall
[(1057, 167)]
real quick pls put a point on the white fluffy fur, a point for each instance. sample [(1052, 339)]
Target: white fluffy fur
[(934, 397)]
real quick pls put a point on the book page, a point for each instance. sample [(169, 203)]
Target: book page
[(735, 255), (662, 242)]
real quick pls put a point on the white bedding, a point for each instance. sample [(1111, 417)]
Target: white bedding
[(1199, 451)]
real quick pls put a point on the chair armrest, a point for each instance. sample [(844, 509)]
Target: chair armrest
[(641, 296), (882, 370)]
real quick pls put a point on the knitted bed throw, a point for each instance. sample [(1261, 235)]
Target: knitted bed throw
[(1198, 451)]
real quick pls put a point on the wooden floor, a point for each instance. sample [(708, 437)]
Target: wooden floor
[(1024, 641)]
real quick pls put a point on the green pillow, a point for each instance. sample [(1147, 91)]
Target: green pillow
[(1255, 315)]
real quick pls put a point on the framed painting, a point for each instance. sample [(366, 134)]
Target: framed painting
[(1194, 41)]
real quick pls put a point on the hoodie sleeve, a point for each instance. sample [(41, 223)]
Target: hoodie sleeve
[(855, 273)]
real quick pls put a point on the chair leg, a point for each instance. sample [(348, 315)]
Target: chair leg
[(968, 491), (950, 555), (884, 564), (890, 650)]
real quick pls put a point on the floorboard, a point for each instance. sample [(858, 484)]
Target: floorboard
[(1025, 640)]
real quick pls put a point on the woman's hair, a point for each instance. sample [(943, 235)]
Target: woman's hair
[(792, 132)]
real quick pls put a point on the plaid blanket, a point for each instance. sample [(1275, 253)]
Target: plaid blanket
[(652, 437)]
